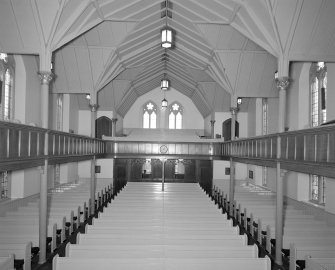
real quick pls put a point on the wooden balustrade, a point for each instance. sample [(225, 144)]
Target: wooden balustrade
[(199, 150), (309, 150), (22, 146)]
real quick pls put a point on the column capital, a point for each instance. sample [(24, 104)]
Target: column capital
[(283, 83), (212, 122), (93, 107), (234, 110), (45, 77), (114, 120)]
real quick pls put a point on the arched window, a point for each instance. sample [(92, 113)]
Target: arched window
[(175, 116), (318, 109), (149, 115), (318, 93), (6, 107), (6, 87)]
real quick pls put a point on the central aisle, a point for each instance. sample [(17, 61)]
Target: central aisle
[(147, 228)]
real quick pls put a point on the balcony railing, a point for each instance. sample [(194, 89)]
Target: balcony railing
[(309, 149), (22, 146), (199, 150)]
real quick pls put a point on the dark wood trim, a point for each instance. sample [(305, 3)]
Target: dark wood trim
[(303, 167), (19, 164), (167, 156)]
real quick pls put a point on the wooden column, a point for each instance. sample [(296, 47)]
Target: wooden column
[(282, 85), (212, 128), (163, 172), (93, 108), (233, 111), (45, 77), (128, 170), (114, 120)]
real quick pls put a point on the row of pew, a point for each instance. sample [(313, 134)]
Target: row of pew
[(303, 235), (7, 262), (147, 228), (67, 209)]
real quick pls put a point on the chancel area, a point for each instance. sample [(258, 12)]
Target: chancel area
[(146, 134)]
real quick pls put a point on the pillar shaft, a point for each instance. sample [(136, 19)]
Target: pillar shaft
[(45, 78), (93, 108), (212, 128), (114, 120), (282, 85), (163, 173), (233, 111)]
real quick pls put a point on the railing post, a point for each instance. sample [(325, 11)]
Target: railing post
[(19, 143)]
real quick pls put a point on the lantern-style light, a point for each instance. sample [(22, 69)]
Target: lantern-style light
[(164, 103), (239, 101), (167, 37), (165, 84)]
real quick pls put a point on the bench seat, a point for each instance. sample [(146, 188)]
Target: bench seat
[(7, 262), (66, 263), (159, 251), (21, 252)]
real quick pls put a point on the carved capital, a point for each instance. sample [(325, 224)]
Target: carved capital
[(212, 122), (45, 77), (234, 110), (283, 83), (93, 107), (114, 120)]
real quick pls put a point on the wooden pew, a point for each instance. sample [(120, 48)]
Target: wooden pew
[(7, 262), (320, 263), (159, 251), (69, 216), (103, 239), (66, 263), (28, 230), (20, 251), (300, 252)]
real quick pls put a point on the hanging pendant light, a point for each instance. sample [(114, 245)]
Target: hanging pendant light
[(165, 84), (164, 103), (166, 32)]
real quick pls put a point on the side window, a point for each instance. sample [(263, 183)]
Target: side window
[(3, 185), (318, 93), (317, 189), (6, 87), (175, 116)]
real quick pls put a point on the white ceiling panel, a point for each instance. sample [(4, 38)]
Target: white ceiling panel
[(113, 46)]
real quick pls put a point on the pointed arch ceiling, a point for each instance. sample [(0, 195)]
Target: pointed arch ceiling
[(224, 48)]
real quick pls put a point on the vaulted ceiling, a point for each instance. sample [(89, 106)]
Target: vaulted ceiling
[(223, 48)]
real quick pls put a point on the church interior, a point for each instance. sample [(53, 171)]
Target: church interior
[(145, 134)]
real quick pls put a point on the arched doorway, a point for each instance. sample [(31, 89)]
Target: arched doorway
[(226, 129)]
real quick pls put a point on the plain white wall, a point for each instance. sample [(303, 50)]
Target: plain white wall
[(84, 123), (26, 182)]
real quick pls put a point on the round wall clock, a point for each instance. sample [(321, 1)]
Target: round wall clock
[(163, 149)]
